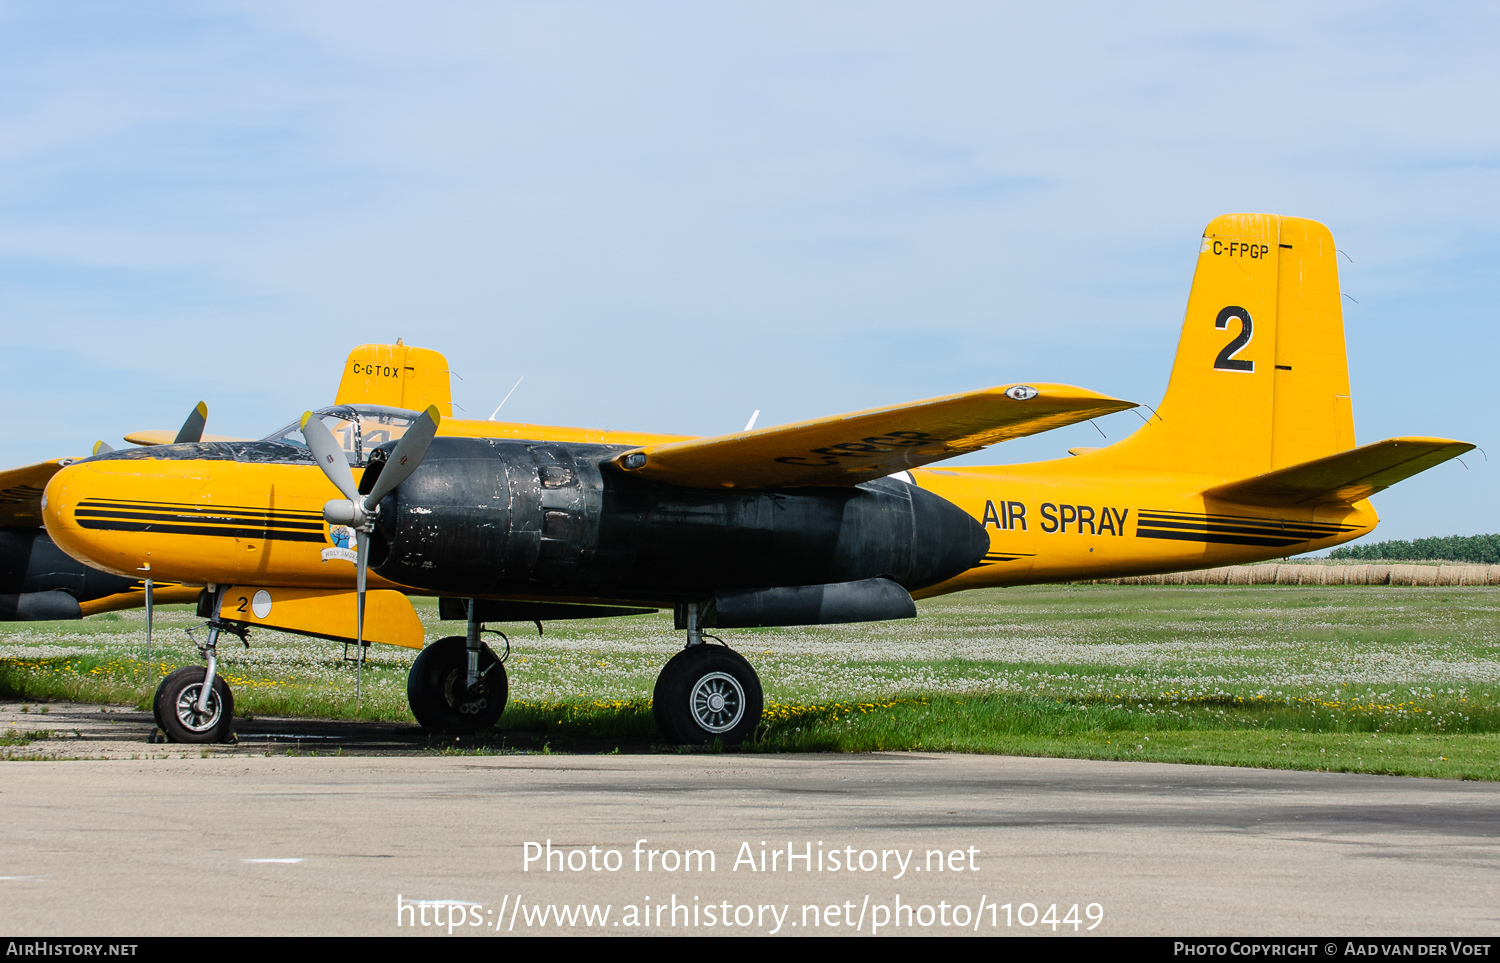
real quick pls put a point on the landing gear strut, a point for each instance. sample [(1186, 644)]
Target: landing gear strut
[(458, 683), (193, 704), (706, 692)]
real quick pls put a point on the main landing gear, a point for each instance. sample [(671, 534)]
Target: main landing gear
[(458, 683), (706, 692), (193, 704)]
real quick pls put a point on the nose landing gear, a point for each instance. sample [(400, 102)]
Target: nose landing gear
[(706, 692), (193, 704)]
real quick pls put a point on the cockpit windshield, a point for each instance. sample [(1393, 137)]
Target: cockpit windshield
[(358, 428)]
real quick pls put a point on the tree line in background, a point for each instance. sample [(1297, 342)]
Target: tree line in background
[(1478, 549)]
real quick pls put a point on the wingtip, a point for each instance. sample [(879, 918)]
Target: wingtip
[(1063, 392)]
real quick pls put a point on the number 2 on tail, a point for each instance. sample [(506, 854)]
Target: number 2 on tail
[(1226, 361)]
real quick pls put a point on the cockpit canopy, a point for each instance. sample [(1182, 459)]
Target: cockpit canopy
[(358, 428)]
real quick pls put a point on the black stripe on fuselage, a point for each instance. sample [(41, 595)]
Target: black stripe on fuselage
[(1233, 529), (218, 531), (205, 519), (993, 557), (186, 510)]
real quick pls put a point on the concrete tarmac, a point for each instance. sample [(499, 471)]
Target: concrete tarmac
[(280, 846)]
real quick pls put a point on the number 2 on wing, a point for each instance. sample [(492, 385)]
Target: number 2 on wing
[(1226, 361)]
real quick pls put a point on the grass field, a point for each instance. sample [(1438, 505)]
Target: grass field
[(1366, 679)]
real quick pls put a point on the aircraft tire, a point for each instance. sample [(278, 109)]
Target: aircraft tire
[(437, 695), (175, 707), (707, 693)]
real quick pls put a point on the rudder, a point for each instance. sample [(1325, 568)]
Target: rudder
[(1261, 379)]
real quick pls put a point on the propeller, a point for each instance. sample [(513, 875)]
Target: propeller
[(192, 429), (359, 512), (100, 448)]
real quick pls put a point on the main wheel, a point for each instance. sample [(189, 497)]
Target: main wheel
[(707, 692), (437, 690), (176, 707)]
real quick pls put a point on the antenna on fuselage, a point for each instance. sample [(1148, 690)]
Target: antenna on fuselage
[(751, 423), (506, 398)]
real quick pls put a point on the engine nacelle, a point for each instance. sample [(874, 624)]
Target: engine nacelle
[(494, 517), (38, 582)]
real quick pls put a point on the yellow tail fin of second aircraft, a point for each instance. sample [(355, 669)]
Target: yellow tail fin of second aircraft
[(1261, 380), (396, 375)]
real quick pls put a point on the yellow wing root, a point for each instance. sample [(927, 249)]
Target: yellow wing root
[(326, 613), (162, 593), (21, 492)]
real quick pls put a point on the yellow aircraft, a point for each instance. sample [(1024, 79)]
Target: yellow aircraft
[(1250, 456)]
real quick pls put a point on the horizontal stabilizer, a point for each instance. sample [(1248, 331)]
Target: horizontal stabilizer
[(847, 449), (21, 492), (1346, 477), (166, 436)]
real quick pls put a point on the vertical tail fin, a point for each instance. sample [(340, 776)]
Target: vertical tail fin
[(397, 375), (1261, 380)]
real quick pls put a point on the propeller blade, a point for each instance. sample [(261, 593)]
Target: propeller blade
[(406, 457), (192, 429), (329, 455), (361, 566), (100, 448)]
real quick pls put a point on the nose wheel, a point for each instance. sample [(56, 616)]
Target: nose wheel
[(178, 712), (707, 692)]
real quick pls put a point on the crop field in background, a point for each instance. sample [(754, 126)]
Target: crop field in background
[(1369, 679)]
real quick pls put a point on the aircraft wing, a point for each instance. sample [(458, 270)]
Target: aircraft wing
[(851, 448), (21, 492), (167, 436), (1348, 476)]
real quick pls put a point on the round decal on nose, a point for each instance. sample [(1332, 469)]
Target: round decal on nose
[(345, 543), (261, 604)]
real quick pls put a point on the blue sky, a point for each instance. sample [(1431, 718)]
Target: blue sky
[(666, 216)]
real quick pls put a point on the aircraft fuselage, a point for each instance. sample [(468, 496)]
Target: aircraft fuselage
[(503, 518)]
